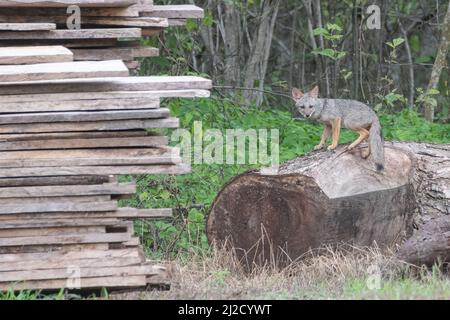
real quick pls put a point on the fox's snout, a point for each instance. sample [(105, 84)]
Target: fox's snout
[(305, 111)]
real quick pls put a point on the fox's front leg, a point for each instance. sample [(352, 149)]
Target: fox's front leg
[(325, 136), (336, 127)]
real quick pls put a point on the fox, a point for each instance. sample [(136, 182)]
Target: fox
[(350, 114)]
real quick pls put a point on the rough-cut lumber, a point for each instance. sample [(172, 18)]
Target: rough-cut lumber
[(121, 213), (111, 33), (45, 22), (52, 181), (95, 170), (51, 206), (174, 12), (153, 83), (34, 55), (63, 191), (55, 144), (66, 3), (87, 12), (125, 54), (50, 231), (110, 95), (27, 26), (76, 135), (89, 157), (79, 105), (72, 116), (90, 126), (86, 283), (63, 70), (71, 255), (52, 263), (328, 198), (61, 223), (64, 239)]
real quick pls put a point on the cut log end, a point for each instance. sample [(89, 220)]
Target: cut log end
[(324, 198)]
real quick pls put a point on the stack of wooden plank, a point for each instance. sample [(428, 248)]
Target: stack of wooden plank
[(109, 29), (71, 120)]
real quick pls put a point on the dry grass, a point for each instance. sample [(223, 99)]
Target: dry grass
[(345, 273)]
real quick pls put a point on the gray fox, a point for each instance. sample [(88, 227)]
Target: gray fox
[(335, 113)]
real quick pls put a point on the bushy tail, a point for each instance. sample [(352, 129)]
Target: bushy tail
[(376, 142)]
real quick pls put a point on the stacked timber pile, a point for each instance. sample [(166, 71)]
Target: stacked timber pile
[(71, 119)]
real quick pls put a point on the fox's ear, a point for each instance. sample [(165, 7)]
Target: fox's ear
[(297, 94), (314, 92)]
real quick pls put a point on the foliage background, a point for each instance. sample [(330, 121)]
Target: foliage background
[(391, 74)]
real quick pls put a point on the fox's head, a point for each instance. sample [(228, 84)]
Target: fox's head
[(306, 104)]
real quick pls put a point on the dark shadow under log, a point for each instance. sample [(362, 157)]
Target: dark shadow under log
[(331, 198)]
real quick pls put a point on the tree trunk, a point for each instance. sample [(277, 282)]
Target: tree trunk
[(232, 45), (332, 198), (440, 63), (256, 68)]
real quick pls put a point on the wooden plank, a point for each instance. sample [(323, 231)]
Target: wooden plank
[(66, 3), (131, 11), (51, 274), (150, 32), (70, 140), (64, 239), (89, 126), (63, 191), (95, 154), (83, 116), (72, 255), (89, 157), (68, 43), (53, 181), (110, 96), (57, 207), (63, 70), (121, 213), (80, 105), (58, 264), (153, 83), (124, 54), (51, 231), (139, 22), (72, 199), (29, 26), (61, 223), (107, 33), (93, 170), (91, 21), (34, 55), (88, 283), (53, 248), (76, 135), (174, 12)]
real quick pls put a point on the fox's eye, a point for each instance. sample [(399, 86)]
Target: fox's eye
[(302, 107), (310, 107)]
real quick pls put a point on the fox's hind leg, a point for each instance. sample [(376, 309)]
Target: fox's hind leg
[(363, 135)]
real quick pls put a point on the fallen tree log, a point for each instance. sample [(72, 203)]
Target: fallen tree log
[(329, 198)]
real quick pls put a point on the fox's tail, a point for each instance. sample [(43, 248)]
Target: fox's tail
[(376, 142)]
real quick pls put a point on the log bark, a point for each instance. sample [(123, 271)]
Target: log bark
[(331, 198)]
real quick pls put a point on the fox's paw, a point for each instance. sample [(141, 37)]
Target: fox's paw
[(318, 147), (331, 148), (365, 154)]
